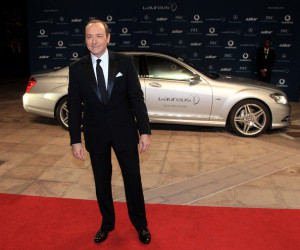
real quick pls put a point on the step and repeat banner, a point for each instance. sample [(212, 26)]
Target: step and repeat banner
[(220, 36)]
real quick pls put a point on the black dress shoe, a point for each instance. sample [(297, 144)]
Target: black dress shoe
[(145, 236), (101, 235)]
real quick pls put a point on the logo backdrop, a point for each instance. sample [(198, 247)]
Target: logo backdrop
[(222, 37)]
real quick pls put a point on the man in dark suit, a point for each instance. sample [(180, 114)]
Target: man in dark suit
[(265, 60), (105, 87)]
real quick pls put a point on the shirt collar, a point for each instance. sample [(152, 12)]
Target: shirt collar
[(104, 57)]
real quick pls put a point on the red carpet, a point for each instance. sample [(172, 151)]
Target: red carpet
[(28, 222)]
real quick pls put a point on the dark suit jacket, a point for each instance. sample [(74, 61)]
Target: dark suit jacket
[(116, 123), (263, 63)]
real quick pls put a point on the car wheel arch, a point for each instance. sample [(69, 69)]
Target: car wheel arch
[(250, 101)]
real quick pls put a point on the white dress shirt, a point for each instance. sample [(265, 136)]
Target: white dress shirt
[(104, 65)]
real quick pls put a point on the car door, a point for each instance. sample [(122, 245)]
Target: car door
[(170, 96)]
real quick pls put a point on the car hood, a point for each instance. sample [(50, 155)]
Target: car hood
[(58, 72), (247, 82)]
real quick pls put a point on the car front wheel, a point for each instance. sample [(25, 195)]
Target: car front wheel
[(62, 113), (249, 118)]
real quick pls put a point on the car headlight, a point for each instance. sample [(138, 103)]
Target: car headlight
[(279, 98)]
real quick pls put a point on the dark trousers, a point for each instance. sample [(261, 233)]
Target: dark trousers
[(129, 164)]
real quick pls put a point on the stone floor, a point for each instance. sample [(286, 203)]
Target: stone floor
[(186, 165)]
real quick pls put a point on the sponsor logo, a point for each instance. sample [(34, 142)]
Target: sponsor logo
[(210, 57), (60, 33), (193, 99), (269, 19), (194, 31), (179, 19), (230, 45), (126, 44), (266, 32), (125, 32), (235, 19), (216, 19), (76, 20), (134, 19), (243, 69), (74, 56), (251, 19), (248, 45), (245, 58), (77, 32), (161, 32), (180, 44), (195, 44), (51, 10), (226, 69), (238, 32), (143, 32), (228, 57), (59, 56), (213, 44), (44, 21), (287, 20), (109, 19), (168, 44), (176, 31), (170, 7), (285, 45), (284, 32), (282, 83), (75, 44), (276, 8), (283, 59), (60, 44), (161, 19), (44, 57), (250, 31), (143, 44), (286, 70), (42, 33), (44, 45), (61, 20), (146, 19), (196, 19), (212, 31)]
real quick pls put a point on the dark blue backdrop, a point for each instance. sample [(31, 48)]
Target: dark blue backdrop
[(222, 36)]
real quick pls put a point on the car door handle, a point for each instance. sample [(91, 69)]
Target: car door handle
[(155, 84)]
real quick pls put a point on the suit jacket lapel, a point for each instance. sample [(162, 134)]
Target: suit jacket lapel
[(88, 66), (112, 72)]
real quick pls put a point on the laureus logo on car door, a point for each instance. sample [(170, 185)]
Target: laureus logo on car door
[(193, 99)]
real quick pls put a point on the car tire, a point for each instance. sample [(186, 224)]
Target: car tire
[(62, 113), (249, 118)]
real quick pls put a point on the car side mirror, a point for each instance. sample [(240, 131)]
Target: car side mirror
[(195, 79)]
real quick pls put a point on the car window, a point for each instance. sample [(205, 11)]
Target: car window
[(163, 68)]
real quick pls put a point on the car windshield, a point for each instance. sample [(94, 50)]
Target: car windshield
[(201, 69)]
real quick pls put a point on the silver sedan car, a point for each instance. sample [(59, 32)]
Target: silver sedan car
[(179, 93)]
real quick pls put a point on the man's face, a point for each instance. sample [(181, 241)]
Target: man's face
[(96, 39), (267, 44)]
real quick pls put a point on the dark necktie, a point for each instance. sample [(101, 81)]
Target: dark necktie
[(101, 82), (266, 54)]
